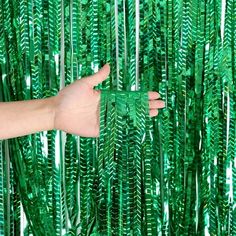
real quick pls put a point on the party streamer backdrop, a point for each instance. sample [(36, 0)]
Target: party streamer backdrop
[(174, 174)]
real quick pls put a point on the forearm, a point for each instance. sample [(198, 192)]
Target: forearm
[(26, 117)]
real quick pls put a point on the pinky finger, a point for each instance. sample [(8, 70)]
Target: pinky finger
[(153, 112)]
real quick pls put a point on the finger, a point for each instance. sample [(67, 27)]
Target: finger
[(153, 112), (98, 77), (153, 95), (156, 104)]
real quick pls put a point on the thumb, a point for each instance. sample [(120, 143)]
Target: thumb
[(100, 76)]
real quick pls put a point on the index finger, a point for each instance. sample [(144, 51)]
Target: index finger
[(153, 95)]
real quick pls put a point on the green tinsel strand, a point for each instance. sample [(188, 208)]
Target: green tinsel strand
[(226, 222), (74, 28), (94, 35), (83, 185), (147, 183), (49, 170), (147, 26), (110, 164), (89, 189), (100, 202), (36, 57), (53, 40), (125, 204), (117, 165), (57, 199), (120, 46), (67, 43), (108, 32), (71, 178), (234, 115), (132, 124), (131, 46), (2, 210), (139, 132), (108, 161)]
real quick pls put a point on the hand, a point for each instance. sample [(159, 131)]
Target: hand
[(77, 105)]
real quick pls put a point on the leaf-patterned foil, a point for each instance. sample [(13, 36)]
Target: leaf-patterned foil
[(174, 174)]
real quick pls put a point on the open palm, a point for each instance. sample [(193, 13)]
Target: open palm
[(77, 105)]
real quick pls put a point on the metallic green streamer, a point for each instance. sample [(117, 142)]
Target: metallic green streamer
[(2, 213), (178, 179)]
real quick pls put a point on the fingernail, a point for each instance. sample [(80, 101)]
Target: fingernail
[(163, 103)]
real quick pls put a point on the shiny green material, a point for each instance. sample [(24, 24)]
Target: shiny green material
[(123, 192), (170, 175)]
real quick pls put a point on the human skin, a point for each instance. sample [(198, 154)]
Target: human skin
[(75, 110)]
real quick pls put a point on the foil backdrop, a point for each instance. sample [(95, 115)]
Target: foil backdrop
[(51, 183)]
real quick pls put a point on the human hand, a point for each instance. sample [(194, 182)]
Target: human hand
[(77, 105)]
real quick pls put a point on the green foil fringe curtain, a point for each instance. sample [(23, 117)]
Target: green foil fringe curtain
[(174, 174)]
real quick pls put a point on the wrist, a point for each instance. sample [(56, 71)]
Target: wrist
[(51, 104)]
